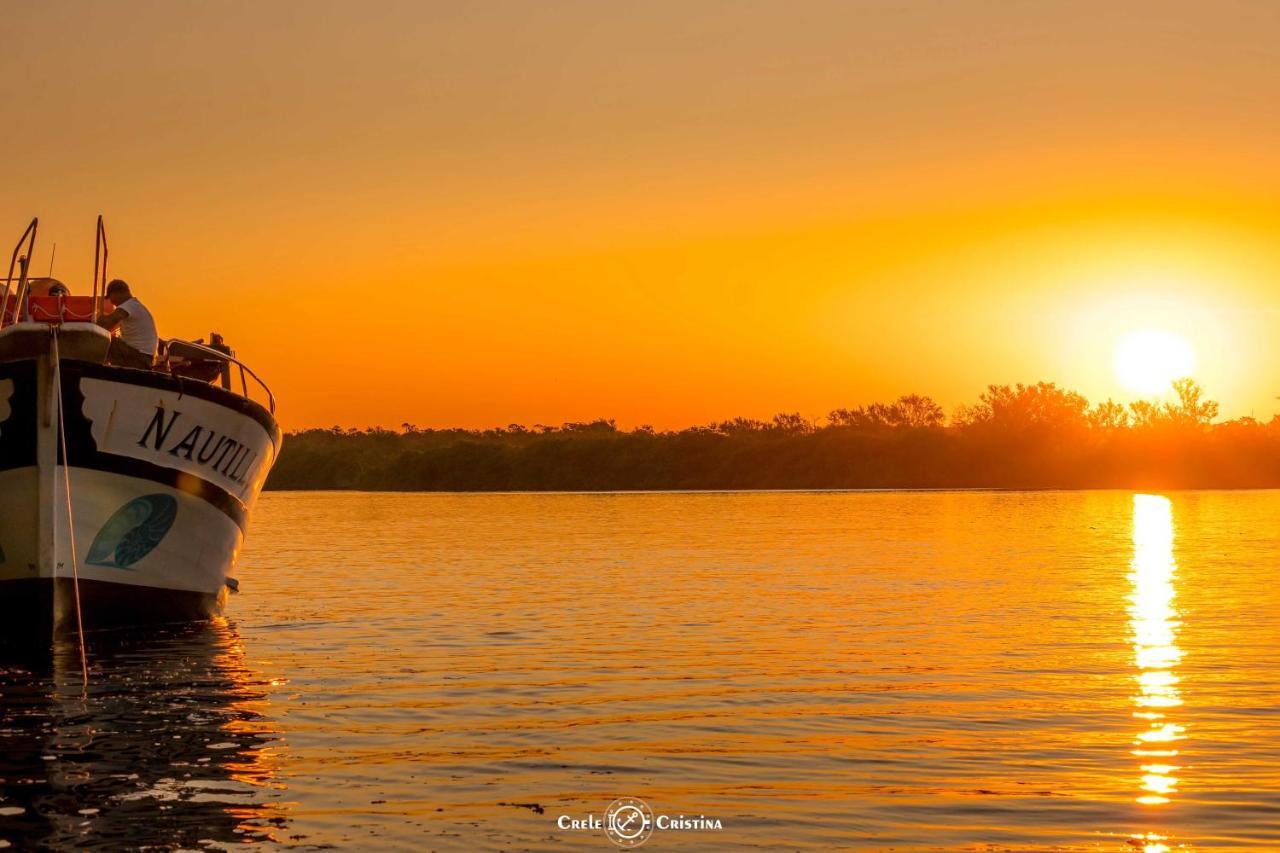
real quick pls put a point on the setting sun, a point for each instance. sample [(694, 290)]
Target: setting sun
[(1149, 360)]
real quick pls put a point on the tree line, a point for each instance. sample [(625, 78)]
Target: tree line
[(1013, 436)]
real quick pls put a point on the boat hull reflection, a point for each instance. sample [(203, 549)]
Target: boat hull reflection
[(171, 747)]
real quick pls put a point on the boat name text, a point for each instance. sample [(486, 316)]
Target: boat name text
[(200, 444)]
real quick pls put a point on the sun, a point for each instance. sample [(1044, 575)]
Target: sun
[(1148, 360)]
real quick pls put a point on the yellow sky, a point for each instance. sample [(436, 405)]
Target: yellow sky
[(482, 213)]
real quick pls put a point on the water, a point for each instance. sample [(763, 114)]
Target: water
[(875, 671)]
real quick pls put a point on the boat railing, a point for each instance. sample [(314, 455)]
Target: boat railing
[(99, 267), (22, 261), (245, 371)]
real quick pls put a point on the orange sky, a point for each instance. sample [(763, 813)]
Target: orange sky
[(482, 213)]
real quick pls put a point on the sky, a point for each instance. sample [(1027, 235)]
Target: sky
[(668, 213)]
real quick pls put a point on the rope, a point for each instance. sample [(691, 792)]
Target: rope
[(71, 524)]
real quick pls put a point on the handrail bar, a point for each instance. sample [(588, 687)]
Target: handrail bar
[(22, 264), (244, 368), (99, 242)]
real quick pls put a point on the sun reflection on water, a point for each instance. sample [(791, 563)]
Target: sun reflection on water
[(1153, 620)]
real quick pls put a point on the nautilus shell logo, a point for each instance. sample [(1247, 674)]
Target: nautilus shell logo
[(133, 531)]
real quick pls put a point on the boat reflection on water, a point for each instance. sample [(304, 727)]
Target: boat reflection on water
[(171, 746), (1154, 624)]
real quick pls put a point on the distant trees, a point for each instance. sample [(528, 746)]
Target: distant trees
[(1023, 436), (1021, 407), (1190, 411), (911, 411), (1108, 415)]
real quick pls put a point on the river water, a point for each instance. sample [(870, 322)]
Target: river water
[(1092, 671)]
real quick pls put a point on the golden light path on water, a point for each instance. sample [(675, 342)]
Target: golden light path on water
[(1154, 623)]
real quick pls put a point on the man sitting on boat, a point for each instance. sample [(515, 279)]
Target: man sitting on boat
[(135, 346)]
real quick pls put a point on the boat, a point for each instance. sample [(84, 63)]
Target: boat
[(125, 493)]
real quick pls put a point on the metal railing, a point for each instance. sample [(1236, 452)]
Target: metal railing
[(99, 250), (22, 260), (23, 263), (245, 370)]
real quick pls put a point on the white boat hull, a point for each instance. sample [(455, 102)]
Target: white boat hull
[(162, 476)]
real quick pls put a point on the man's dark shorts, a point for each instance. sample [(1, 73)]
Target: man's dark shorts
[(124, 355)]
